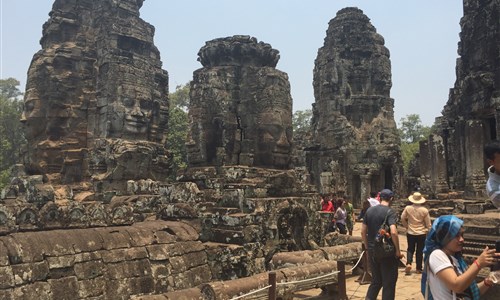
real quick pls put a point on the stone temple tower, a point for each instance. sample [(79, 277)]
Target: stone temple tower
[(356, 144), (241, 108), (96, 102)]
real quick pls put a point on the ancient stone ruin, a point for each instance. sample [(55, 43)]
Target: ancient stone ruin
[(470, 117), (96, 101), (91, 214), (450, 166), (356, 144), (240, 106)]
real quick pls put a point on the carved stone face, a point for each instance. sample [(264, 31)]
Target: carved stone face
[(131, 117), (33, 116), (274, 139)]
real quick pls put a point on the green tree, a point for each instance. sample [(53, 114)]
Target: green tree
[(180, 98), (11, 134), (301, 120), (411, 131), (178, 127)]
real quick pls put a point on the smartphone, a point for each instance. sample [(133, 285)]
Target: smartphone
[(496, 266)]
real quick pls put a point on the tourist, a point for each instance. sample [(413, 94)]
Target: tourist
[(373, 199), (364, 208), (350, 215), (326, 203), (341, 216), (446, 275), (417, 221), (492, 154), (385, 270)]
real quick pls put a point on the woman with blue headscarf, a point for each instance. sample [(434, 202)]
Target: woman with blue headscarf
[(446, 274)]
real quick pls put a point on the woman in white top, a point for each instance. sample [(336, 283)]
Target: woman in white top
[(341, 216), (446, 274)]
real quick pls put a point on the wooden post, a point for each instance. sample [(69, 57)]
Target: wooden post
[(341, 281), (272, 283)]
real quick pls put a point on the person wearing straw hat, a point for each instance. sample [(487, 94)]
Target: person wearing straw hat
[(417, 221)]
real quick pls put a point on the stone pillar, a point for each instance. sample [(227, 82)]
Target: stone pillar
[(425, 167), (365, 189), (474, 142), (439, 182)]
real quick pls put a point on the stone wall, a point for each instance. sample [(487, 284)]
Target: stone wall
[(356, 145), (102, 263)]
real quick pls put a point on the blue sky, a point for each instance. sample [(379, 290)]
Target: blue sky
[(422, 36)]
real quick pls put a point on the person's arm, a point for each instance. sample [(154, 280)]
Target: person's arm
[(458, 283), (404, 218), (364, 235), (395, 240), (492, 188), (427, 220)]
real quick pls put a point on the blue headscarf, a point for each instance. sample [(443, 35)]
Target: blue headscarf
[(444, 229)]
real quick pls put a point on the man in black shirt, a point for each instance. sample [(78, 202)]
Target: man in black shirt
[(385, 270)]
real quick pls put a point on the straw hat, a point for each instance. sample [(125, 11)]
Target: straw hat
[(416, 198)]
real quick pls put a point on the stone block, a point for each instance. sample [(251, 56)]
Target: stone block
[(181, 248), (57, 262), (129, 269), (117, 255), (30, 272), (89, 269), (7, 294), (36, 290), (91, 287), (114, 237), (61, 272), (158, 252), (160, 275), (475, 208), (142, 285), (14, 251), (87, 240), (64, 288), (87, 256), (4, 257), (198, 275), (187, 261), (6, 278), (116, 289)]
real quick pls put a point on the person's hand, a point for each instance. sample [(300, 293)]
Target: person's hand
[(399, 255), (487, 257), (494, 277)]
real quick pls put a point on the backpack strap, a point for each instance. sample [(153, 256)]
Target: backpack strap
[(386, 216)]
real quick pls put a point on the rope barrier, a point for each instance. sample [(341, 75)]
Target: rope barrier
[(298, 281), (252, 292), (304, 280), (357, 263)]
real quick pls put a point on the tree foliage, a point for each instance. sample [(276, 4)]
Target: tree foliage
[(11, 134), (180, 98), (411, 131), (301, 120), (178, 127)]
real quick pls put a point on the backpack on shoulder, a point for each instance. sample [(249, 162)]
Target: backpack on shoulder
[(384, 247)]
